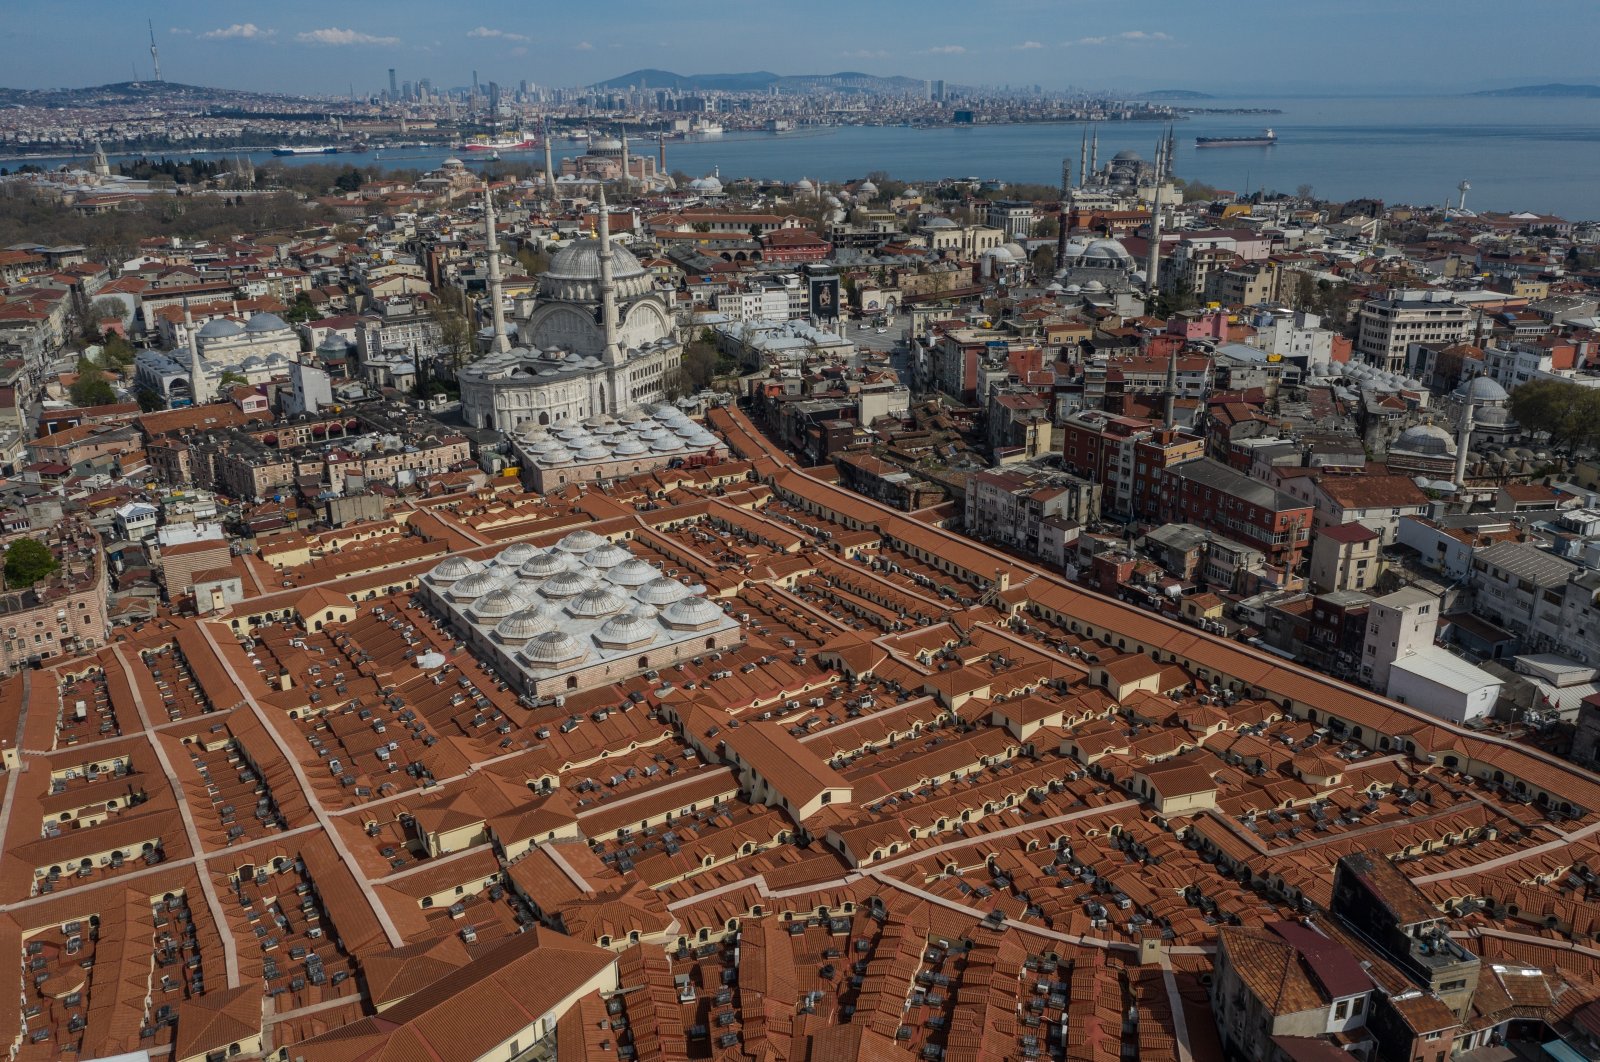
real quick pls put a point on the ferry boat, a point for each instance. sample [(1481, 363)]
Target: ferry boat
[(515, 142), (1266, 139), (305, 151)]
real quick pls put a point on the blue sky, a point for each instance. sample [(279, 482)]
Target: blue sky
[(1221, 46)]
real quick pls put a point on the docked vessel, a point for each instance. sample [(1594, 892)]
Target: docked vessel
[(1266, 139), (515, 142), (305, 151), (706, 129)]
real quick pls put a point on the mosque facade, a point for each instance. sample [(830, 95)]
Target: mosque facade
[(598, 340)]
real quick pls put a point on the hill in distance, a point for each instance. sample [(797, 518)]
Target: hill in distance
[(1555, 90), (125, 92), (762, 80)]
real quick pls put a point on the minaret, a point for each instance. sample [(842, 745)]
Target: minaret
[(1463, 438), (1152, 268), (102, 166), (1061, 217), (1172, 387), (1083, 157), (608, 291), (661, 154), (199, 383), (627, 171), (1094, 154), (549, 166), (499, 344)]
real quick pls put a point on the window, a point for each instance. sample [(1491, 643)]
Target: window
[(1341, 1010)]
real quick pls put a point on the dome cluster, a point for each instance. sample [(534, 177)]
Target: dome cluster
[(577, 601), (664, 431)]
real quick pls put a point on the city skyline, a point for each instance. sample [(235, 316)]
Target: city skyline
[(301, 47)]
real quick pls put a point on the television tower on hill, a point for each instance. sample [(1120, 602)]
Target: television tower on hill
[(155, 57)]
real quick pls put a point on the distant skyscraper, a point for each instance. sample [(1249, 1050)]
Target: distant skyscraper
[(394, 87), (938, 90)]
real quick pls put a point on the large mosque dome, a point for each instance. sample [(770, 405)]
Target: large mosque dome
[(574, 273)]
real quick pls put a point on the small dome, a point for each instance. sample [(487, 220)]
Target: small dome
[(600, 601), (692, 613), (219, 328), (500, 603), (634, 571), (607, 556), (333, 345), (515, 554), (1481, 389), (552, 649), (629, 447), (559, 456), (566, 584), (1126, 155), (593, 452), (474, 586), (662, 591), (625, 631), (543, 566), (452, 568), (1427, 439), (581, 541), (521, 626), (265, 322)]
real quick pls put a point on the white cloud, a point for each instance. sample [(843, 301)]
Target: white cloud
[(947, 49), (179, 31), (1127, 37), (332, 35), (583, 46), (505, 35), (866, 53), (1028, 46), (241, 31)]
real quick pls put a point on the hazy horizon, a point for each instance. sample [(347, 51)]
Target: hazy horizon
[(1361, 48)]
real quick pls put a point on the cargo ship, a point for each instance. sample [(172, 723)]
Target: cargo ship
[(1266, 139), (305, 151), (516, 142)]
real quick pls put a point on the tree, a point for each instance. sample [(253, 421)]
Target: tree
[(117, 351), (91, 387), (105, 309), (302, 310), (231, 379), (1303, 192), (1568, 413), (27, 561), (456, 334), (1047, 226), (1044, 261), (149, 399), (350, 179), (533, 262)]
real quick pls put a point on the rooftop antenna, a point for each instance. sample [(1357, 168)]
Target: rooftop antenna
[(154, 56)]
